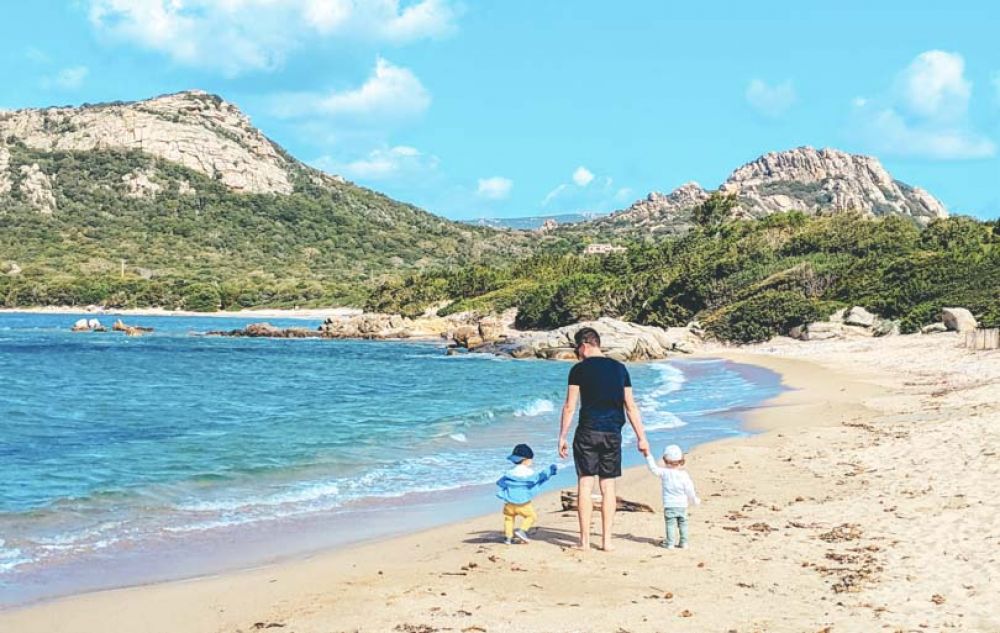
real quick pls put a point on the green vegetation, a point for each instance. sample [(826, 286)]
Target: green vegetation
[(208, 247), (197, 245), (744, 280)]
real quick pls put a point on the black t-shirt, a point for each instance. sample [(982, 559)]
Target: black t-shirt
[(602, 383)]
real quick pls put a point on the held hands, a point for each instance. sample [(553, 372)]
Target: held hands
[(643, 447)]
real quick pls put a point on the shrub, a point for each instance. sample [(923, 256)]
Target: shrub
[(202, 298), (764, 316)]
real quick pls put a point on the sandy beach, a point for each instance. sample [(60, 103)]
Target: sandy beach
[(866, 504)]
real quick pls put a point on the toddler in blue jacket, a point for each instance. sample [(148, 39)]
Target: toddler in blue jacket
[(517, 488)]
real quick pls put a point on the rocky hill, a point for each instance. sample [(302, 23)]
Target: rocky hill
[(805, 179), (142, 200), (194, 129)]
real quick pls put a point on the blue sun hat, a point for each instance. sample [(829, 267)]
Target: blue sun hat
[(520, 453)]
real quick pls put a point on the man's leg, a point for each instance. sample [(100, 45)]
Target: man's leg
[(585, 508), (609, 504)]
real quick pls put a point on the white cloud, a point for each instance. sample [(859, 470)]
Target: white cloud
[(390, 163), (390, 93), (623, 195), (67, 79), (585, 191), (770, 101), (36, 55), (582, 176), (494, 188), (238, 36), (934, 86), (888, 132), (555, 193), (925, 115)]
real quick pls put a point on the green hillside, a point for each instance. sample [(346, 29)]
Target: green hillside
[(744, 280), (197, 244)]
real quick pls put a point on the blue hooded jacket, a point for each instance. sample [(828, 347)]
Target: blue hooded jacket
[(518, 488)]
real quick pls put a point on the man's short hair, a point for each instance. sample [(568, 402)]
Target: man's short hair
[(587, 335)]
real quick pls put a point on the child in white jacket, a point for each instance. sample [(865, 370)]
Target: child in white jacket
[(678, 491)]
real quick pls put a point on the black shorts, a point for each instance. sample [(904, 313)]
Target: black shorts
[(597, 453)]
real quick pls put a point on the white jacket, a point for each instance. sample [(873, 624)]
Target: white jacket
[(678, 488)]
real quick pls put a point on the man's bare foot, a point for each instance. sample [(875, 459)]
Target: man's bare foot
[(607, 547), (582, 547)]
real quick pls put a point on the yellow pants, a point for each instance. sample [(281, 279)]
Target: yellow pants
[(525, 510)]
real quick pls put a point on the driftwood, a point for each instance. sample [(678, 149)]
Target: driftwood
[(569, 502)]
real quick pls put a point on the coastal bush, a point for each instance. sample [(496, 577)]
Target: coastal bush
[(753, 279), (202, 298), (764, 316)]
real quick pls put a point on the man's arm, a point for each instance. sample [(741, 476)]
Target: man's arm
[(568, 409), (635, 419)]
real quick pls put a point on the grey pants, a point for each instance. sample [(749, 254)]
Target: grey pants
[(675, 520)]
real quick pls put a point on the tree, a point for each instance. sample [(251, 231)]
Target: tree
[(715, 210)]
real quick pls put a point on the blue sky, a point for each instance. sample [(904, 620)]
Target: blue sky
[(490, 109)]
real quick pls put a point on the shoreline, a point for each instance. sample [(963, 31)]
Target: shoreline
[(254, 313), (812, 523), (282, 541), (360, 549)]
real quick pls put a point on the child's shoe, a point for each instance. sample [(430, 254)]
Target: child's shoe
[(520, 534), (508, 541)]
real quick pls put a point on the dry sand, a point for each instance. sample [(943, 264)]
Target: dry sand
[(869, 505)]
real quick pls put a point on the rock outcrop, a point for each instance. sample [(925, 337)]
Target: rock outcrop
[(493, 335), (619, 339), (266, 330), (88, 325), (36, 187), (826, 180), (6, 182), (958, 320), (195, 129), (661, 212), (804, 179), (368, 326), (934, 328), (847, 323), (130, 330), (139, 185)]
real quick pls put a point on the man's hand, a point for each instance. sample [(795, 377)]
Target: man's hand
[(563, 448), (643, 447)]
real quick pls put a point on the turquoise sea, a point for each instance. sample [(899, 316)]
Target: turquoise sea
[(127, 460)]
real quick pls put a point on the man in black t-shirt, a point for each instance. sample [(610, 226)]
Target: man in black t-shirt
[(604, 389)]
